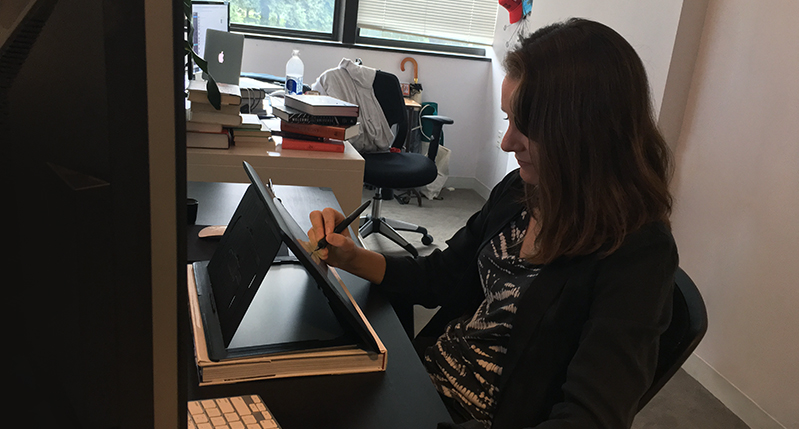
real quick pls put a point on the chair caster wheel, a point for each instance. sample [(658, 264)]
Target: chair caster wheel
[(427, 239)]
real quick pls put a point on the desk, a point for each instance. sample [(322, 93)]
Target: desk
[(341, 172), (400, 397)]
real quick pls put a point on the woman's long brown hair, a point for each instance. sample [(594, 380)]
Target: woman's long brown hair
[(583, 99)]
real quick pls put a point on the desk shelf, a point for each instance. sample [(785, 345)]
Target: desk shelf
[(341, 172)]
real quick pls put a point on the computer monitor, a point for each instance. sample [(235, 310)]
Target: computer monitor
[(205, 15), (84, 88), (13, 15)]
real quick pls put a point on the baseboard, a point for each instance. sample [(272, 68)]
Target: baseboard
[(729, 395), (468, 183)]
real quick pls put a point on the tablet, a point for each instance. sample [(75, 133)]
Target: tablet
[(261, 235)]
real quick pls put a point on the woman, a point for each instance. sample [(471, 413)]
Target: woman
[(554, 295)]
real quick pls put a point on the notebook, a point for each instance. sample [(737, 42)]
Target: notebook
[(223, 52)]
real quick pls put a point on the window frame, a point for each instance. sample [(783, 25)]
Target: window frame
[(346, 32)]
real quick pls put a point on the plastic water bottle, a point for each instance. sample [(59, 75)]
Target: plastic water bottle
[(294, 70)]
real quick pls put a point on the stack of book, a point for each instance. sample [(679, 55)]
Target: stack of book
[(315, 122), (252, 131), (207, 127)]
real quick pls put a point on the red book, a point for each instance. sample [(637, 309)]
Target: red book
[(329, 131), (328, 145)]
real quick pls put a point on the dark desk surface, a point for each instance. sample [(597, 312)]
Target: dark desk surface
[(400, 397)]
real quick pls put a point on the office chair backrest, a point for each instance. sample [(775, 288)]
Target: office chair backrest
[(688, 326), (389, 94)]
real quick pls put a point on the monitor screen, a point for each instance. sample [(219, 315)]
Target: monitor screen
[(205, 15), (12, 13), (80, 84)]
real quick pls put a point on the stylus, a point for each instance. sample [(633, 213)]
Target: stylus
[(344, 224)]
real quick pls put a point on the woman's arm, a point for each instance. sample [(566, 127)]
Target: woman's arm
[(424, 280), (431, 279), (341, 251)]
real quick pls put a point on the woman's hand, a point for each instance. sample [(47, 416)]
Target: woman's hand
[(341, 251)]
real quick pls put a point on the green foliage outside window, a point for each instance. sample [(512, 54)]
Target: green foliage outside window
[(304, 15)]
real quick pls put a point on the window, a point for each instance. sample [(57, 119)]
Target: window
[(311, 16), (464, 26), (461, 22)]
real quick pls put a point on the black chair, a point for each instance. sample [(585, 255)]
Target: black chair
[(688, 326), (398, 169)]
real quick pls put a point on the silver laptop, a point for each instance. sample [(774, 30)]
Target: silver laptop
[(223, 52)]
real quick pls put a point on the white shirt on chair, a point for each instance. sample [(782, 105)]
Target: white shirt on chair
[(353, 83)]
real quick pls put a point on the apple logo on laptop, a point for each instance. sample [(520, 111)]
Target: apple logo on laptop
[(221, 57)]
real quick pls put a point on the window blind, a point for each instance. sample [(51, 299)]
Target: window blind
[(470, 21)]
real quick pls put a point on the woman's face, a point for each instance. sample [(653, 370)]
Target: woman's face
[(526, 152)]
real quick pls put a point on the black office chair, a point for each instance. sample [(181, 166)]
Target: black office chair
[(397, 169), (688, 326)]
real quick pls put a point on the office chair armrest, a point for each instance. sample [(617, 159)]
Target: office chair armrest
[(435, 137), (438, 119)]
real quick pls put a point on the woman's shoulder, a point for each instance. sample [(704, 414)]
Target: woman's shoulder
[(513, 178), (511, 183), (652, 232), (653, 240)]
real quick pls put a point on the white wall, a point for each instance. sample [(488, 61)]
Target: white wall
[(737, 205), (650, 26)]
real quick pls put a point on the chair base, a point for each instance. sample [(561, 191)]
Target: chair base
[(388, 228), (405, 197)]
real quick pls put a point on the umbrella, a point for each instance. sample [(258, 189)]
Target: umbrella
[(415, 89)]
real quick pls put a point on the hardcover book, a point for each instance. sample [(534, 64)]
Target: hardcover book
[(297, 136), (324, 131), (228, 109), (251, 121), (287, 114), (251, 126), (203, 127), (220, 140), (265, 143), (243, 132), (326, 145), (321, 105), (225, 119), (231, 94)]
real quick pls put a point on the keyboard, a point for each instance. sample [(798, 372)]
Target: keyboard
[(235, 412)]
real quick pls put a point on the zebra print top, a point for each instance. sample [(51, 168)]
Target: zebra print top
[(466, 361)]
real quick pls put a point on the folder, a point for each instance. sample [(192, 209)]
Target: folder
[(261, 307)]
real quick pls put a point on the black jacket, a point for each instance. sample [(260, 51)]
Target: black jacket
[(584, 344)]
